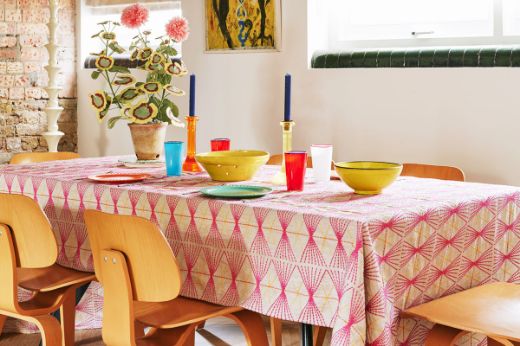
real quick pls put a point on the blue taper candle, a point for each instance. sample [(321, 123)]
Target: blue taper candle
[(192, 95), (287, 108)]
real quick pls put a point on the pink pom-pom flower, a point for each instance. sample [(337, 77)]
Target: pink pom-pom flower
[(178, 29), (134, 16)]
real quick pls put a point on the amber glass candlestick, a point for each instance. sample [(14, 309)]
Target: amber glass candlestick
[(287, 127), (190, 164)]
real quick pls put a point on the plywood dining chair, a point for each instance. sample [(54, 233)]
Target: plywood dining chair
[(142, 281), (28, 253), (25, 158), (492, 310), (432, 171)]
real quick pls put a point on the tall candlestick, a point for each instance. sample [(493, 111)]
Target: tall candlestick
[(287, 108), (53, 109), (190, 164), (287, 129), (192, 95)]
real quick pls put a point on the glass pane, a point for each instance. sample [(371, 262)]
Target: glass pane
[(156, 24), (511, 12), (373, 19)]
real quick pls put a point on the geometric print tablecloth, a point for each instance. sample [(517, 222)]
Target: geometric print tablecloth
[(323, 256)]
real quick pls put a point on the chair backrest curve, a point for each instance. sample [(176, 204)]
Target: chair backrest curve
[(153, 269), (34, 241), (24, 158)]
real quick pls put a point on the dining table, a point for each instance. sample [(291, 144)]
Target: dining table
[(323, 256)]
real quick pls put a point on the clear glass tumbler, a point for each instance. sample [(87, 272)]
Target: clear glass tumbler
[(321, 161)]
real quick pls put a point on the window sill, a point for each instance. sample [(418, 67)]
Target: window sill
[(120, 60), (501, 56)]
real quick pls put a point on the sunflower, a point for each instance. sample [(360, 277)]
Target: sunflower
[(151, 87), (124, 79), (104, 62), (129, 94), (98, 100), (143, 113)]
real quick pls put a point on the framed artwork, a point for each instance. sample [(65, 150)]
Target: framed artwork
[(242, 25)]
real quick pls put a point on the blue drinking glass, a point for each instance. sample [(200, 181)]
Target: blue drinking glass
[(173, 154)]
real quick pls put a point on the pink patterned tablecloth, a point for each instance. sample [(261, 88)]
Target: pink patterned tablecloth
[(323, 256)]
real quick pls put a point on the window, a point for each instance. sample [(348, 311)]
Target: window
[(419, 23), (95, 11)]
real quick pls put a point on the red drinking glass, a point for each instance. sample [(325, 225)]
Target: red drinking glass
[(220, 144), (295, 166)]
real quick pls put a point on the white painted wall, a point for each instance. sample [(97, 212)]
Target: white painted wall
[(464, 117)]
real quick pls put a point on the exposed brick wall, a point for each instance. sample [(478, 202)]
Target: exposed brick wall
[(23, 55)]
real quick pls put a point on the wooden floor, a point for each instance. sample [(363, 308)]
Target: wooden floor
[(218, 332)]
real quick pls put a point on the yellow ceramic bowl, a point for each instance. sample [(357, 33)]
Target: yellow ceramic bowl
[(233, 165), (367, 177)]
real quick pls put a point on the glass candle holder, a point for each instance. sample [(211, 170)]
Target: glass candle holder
[(190, 164), (220, 144), (295, 167), (321, 159), (173, 154), (287, 129)]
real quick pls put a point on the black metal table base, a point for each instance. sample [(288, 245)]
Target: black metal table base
[(306, 334)]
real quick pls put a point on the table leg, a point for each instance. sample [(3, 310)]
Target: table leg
[(306, 334)]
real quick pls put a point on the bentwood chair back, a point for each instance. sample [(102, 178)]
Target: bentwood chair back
[(491, 309), (32, 234), (432, 171), (141, 281), (25, 158), (153, 269), (28, 253)]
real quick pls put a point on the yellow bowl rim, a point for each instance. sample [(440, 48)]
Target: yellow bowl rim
[(215, 154), (390, 168)]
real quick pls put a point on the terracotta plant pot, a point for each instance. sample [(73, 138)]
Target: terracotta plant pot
[(148, 140)]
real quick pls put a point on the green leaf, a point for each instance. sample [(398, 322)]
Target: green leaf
[(119, 69), (112, 121), (95, 74), (104, 23), (164, 78), (174, 108), (168, 50), (116, 47), (96, 35)]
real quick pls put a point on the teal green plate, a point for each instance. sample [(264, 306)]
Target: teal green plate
[(236, 191)]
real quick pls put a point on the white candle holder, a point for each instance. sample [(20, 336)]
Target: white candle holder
[(53, 109)]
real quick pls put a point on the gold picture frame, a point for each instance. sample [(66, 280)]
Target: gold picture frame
[(250, 25)]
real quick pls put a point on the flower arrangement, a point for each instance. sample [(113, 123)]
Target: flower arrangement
[(127, 98)]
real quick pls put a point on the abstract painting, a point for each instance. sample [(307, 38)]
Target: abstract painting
[(241, 25)]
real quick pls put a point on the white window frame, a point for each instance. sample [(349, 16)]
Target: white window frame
[(88, 26), (419, 41)]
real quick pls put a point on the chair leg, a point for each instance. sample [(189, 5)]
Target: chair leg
[(2, 322), (319, 335), (49, 328), (443, 335), (252, 326), (182, 336), (276, 331), (68, 318)]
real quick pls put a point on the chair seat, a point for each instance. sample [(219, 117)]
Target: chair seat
[(178, 312), (51, 278), (492, 309)]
